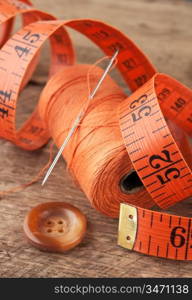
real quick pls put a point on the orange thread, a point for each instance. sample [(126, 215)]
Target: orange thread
[(35, 179), (41, 172), (96, 155)]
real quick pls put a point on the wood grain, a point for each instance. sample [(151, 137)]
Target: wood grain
[(163, 30)]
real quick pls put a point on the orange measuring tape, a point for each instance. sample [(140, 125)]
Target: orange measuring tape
[(151, 155), (7, 19), (160, 165)]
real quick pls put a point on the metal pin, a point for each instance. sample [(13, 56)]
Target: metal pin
[(78, 118)]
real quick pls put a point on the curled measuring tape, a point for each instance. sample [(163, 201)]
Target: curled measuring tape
[(17, 64), (153, 150), (160, 165), (24, 45), (10, 10)]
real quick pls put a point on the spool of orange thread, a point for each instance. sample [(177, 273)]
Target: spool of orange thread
[(96, 155)]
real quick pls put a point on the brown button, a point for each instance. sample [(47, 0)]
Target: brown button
[(55, 226)]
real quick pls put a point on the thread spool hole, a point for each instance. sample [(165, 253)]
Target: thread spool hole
[(131, 217), (131, 183), (128, 238)]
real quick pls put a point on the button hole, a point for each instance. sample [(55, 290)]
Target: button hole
[(60, 222), (49, 230)]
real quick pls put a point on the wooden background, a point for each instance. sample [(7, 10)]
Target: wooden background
[(162, 28)]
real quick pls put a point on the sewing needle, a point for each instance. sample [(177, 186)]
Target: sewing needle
[(78, 118)]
